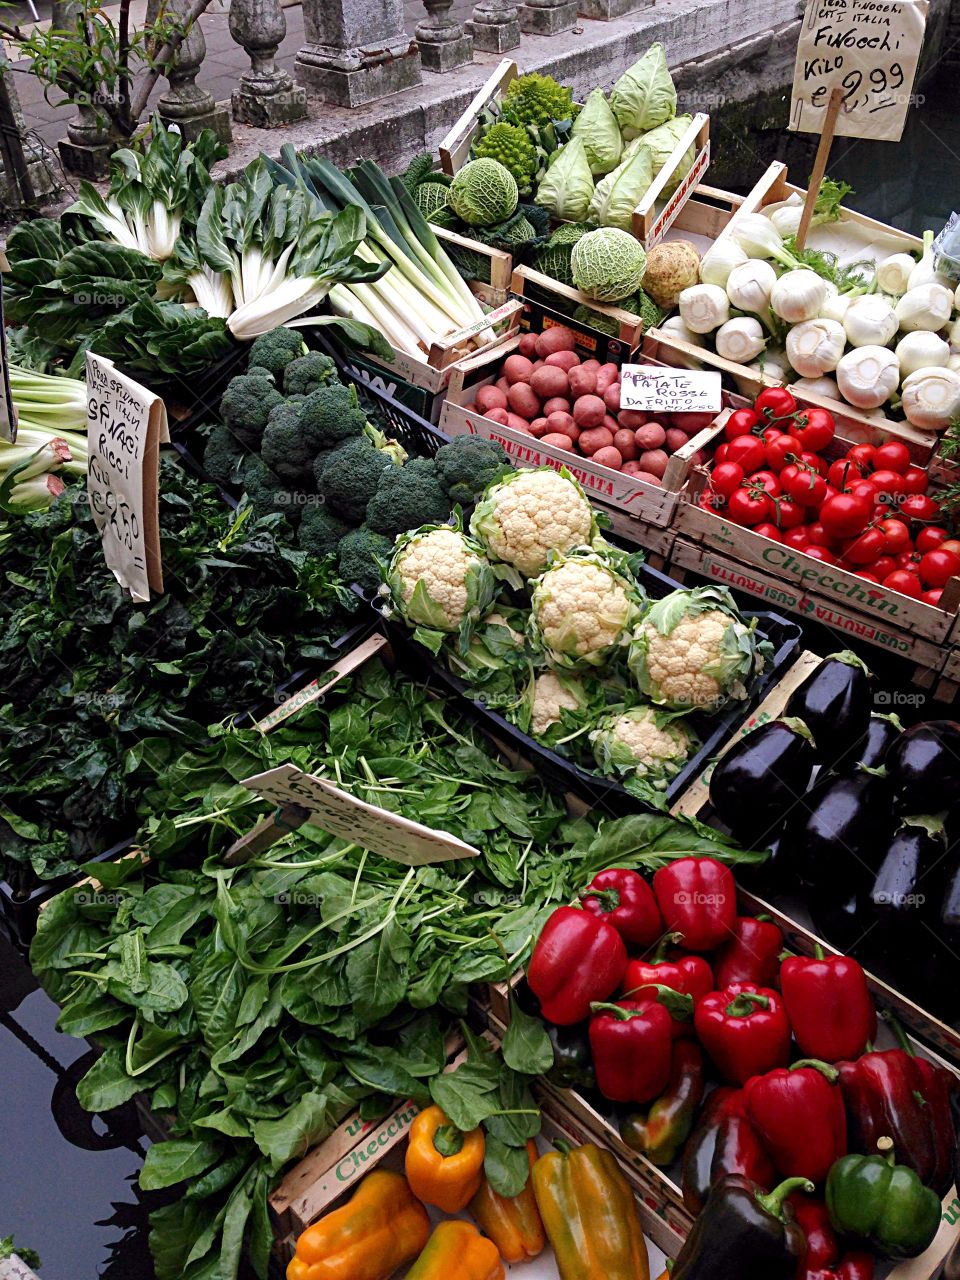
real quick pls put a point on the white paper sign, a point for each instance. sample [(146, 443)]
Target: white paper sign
[(126, 424), (651, 387), (869, 49), (342, 814)]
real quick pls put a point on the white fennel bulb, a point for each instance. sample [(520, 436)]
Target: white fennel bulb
[(749, 284), (931, 398), (674, 327), (835, 305), (719, 261), (927, 306), (953, 334), (787, 219), (925, 272), (893, 273), (759, 238), (921, 350), (815, 347), (824, 386), (741, 339), (798, 296), (869, 321), (772, 366), (868, 376), (704, 307), (954, 361)]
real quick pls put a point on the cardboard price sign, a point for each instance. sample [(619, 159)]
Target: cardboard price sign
[(866, 49), (651, 387), (126, 424), (342, 814)]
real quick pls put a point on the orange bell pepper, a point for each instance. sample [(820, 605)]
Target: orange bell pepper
[(457, 1249), (443, 1166), (513, 1225), (380, 1228)]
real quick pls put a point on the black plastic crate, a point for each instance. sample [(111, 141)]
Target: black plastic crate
[(561, 774), (190, 404)]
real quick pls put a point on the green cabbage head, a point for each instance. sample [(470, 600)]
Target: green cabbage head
[(597, 126), (619, 193), (661, 142), (566, 189), (483, 193), (608, 264), (645, 95)]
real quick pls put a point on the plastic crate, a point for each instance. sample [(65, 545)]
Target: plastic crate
[(561, 774)]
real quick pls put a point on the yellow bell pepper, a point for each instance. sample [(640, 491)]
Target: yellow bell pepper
[(457, 1251), (380, 1228), (590, 1215), (443, 1166), (513, 1224)]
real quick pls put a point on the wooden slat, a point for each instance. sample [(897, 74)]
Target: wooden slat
[(455, 147)]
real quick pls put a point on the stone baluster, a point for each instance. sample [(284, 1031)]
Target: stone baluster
[(357, 50), (185, 104), (548, 17), (443, 43), (266, 95), (495, 27)]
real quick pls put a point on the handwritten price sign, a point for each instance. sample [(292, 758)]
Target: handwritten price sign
[(651, 388), (869, 50)]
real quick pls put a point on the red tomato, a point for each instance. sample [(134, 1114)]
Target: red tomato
[(896, 536), (788, 472), (767, 480), (720, 453), (915, 480), (865, 548), (749, 508), (932, 536), (870, 577), (815, 460), (821, 553), (938, 567), (932, 596), (740, 423), (726, 477), (907, 584), (814, 428), (711, 501), (952, 545), (769, 434), (748, 451), (775, 403), (909, 560), (842, 473), (769, 531), (779, 449), (920, 506), (845, 514), (820, 535), (894, 454), (789, 514), (797, 538), (862, 455), (883, 565), (806, 487), (888, 485), (864, 489)]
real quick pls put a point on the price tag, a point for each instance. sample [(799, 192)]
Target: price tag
[(8, 414), (126, 424), (342, 814), (651, 387), (869, 50)]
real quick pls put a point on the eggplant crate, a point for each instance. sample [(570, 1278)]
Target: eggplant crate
[(655, 213)]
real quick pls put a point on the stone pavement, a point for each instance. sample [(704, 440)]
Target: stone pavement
[(224, 63)]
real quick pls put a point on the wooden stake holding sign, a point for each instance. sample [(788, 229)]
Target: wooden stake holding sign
[(856, 65)]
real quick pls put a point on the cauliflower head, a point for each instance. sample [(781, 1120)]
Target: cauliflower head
[(581, 608), (440, 580), (693, 650), (525, 516), (552, 693), (644, 744)]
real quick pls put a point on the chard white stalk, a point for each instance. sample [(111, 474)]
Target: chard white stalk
[(704, 307), (930, 398), (815, 347), (741, 339), (893, 273), (868, 376), (926, 306), (720, 260), (921, 350), (749, 285), (869, 321), (798, 296)]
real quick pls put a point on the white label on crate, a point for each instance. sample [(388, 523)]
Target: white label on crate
[(651, 387)]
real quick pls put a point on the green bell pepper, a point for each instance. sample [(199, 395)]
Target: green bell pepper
[(883, 1203)]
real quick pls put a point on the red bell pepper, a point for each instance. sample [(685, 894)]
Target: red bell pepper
[(578, 959), (798, 1113), (688, 974), (821, 1259), (632, 1047), (752, 954), (744, 1030), (829, 1005), (697, 898), (624, 899)]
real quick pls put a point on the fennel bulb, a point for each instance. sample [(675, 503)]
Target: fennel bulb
[(798, 296), (749, 285), (835, 305), (674, 327), (759, 238), (893, 273), (921, 350), (926, 306), (704, 307), (868, 376), (815, 347), (826, 387), (930, 398), (741, 339), (924, 272), (719, 261), (869, 321)]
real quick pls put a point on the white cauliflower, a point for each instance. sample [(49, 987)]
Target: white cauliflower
[(580, 609), (530, 513), (553, 693), (692, 649), (642, 743), (439, 578)]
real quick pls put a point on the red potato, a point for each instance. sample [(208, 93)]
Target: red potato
[(528, 345), (538, 427), (549, 382), (592, 364), (524, 401), (503, 384), (563, 360), (691, 423), (655, 461), (632, 418), (498, 415), (556, 404), (676, 439), (589, 411), (611, 397), (650, 436), (557, 440), (635, 469), (518, 424), (607, 375), (610, 423), (610, 457), (537, 364), (623, 440), (490, 397), (583, 382), (562, 422), (517, 369), (597, 438), (557, 338)]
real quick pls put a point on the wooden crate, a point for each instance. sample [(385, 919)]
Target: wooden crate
[(557, 298), (491, 293)]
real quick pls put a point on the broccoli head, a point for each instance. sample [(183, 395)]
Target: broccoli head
[(258, 371), (332, 414), (306, 373), (285, 447), (276, 349), (224, 455), (320, 530), (246, 405), (358, 555), (348, 476), (266, 492), (467, 465), (406, 498)]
